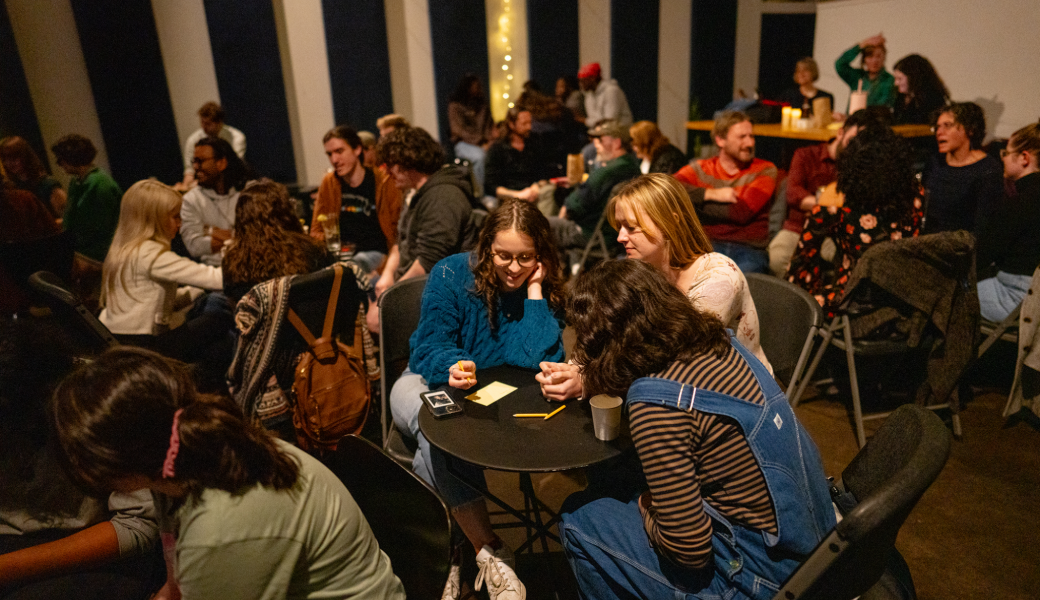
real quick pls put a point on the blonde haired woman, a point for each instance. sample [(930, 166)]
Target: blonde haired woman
[(657, 225), (151, 296)]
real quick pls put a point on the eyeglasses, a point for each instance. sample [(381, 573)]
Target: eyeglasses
[(1006, 153), (504, 259), (943, 127), (198, 162)]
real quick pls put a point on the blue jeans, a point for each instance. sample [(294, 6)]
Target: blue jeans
[(369, 259), (475, 155), (429, 462), (998, 296), (748, 258)]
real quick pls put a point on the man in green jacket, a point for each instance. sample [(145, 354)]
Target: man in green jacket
[(585, 204), (93, 207), (877, 82)]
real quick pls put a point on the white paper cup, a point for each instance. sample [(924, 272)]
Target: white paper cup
[(606, 416)]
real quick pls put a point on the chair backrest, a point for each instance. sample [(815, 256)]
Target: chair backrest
[(87, 332), (887, 477), (410, 521), (788, 318), (399, 309), (309, 298), (52, 253)]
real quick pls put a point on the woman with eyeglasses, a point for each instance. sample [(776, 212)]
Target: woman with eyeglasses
[(1009, 246), (501, 304)]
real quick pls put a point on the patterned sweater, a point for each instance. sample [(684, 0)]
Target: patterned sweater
[(747, 220), (454, 326)]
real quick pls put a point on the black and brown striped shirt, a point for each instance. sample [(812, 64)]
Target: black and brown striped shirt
[(690, 456)]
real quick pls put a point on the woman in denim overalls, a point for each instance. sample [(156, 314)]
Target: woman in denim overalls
[(631, 324)]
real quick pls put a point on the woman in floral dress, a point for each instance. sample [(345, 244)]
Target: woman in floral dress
[(882, 202)]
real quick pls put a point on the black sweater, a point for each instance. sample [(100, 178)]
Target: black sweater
[(1011, 240)]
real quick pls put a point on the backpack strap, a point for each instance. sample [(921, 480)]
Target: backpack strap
[(324, 347)]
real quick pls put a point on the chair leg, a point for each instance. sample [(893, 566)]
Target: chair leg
[(956, 420), (850, 356), (826, 334), (803, 357)]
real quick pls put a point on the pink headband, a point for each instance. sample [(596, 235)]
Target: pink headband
[(175, 444)]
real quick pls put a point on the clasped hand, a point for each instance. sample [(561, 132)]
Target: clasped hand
[(559, 381)]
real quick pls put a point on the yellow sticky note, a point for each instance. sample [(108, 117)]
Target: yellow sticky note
[(491, 393)]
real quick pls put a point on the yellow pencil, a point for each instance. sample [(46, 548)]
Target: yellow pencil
[(530, 415), (549, 416), (464, 370)]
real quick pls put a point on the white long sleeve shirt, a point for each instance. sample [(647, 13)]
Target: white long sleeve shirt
[(607, 103), (152, 300), (201, 208)]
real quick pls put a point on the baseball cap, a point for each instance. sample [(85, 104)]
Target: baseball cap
[(589, 71), (613, 129)]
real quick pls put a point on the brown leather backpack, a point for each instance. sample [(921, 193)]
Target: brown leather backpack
[(330, 386)]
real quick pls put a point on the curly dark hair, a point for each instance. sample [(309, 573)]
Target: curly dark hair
[(411, 148), (969, 116), (113, 419), (876, 174), (269, 240), (74, 150), (630, 322), (237, 172), (927, 89), (522, 217)]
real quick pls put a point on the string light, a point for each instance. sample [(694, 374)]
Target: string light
[(501, 52)]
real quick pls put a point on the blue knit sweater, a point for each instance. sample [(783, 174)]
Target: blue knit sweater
[(454, 326)]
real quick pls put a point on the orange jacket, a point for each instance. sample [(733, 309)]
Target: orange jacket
[(388, 204)]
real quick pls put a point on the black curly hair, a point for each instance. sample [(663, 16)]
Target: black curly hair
[(971, 117), (876, 174)]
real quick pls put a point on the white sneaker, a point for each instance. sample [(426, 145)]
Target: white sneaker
[(452, 589), (496, 569)]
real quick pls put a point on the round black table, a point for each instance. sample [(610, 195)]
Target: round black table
[(491, 437)]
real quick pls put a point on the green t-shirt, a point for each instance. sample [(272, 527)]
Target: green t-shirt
[(307, 542), (880, 91), (92, 213)]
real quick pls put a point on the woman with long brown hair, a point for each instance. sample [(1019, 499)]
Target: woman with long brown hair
[(252, 516), (654, 148), (269, 241), (26, 170), (731, 477), (499, 305)]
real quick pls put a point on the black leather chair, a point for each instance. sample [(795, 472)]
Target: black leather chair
[(52, 253), (87, 332), (886, 480), (788, 321), (410, 521), (399, 310)]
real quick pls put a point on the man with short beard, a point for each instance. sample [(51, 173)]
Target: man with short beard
[(732, 192)]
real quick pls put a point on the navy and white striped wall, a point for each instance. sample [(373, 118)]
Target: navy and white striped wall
[(130, 74)]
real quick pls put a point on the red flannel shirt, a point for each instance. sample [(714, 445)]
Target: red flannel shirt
[(811, 167)]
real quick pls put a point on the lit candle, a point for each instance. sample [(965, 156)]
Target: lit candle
[(785, 118)]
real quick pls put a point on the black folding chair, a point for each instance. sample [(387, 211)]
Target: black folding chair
[(399, 310), (87, 332), (788, 321), (410, 521), (886, 480)]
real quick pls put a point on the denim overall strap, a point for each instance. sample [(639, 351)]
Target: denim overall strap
[(783, 450)]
